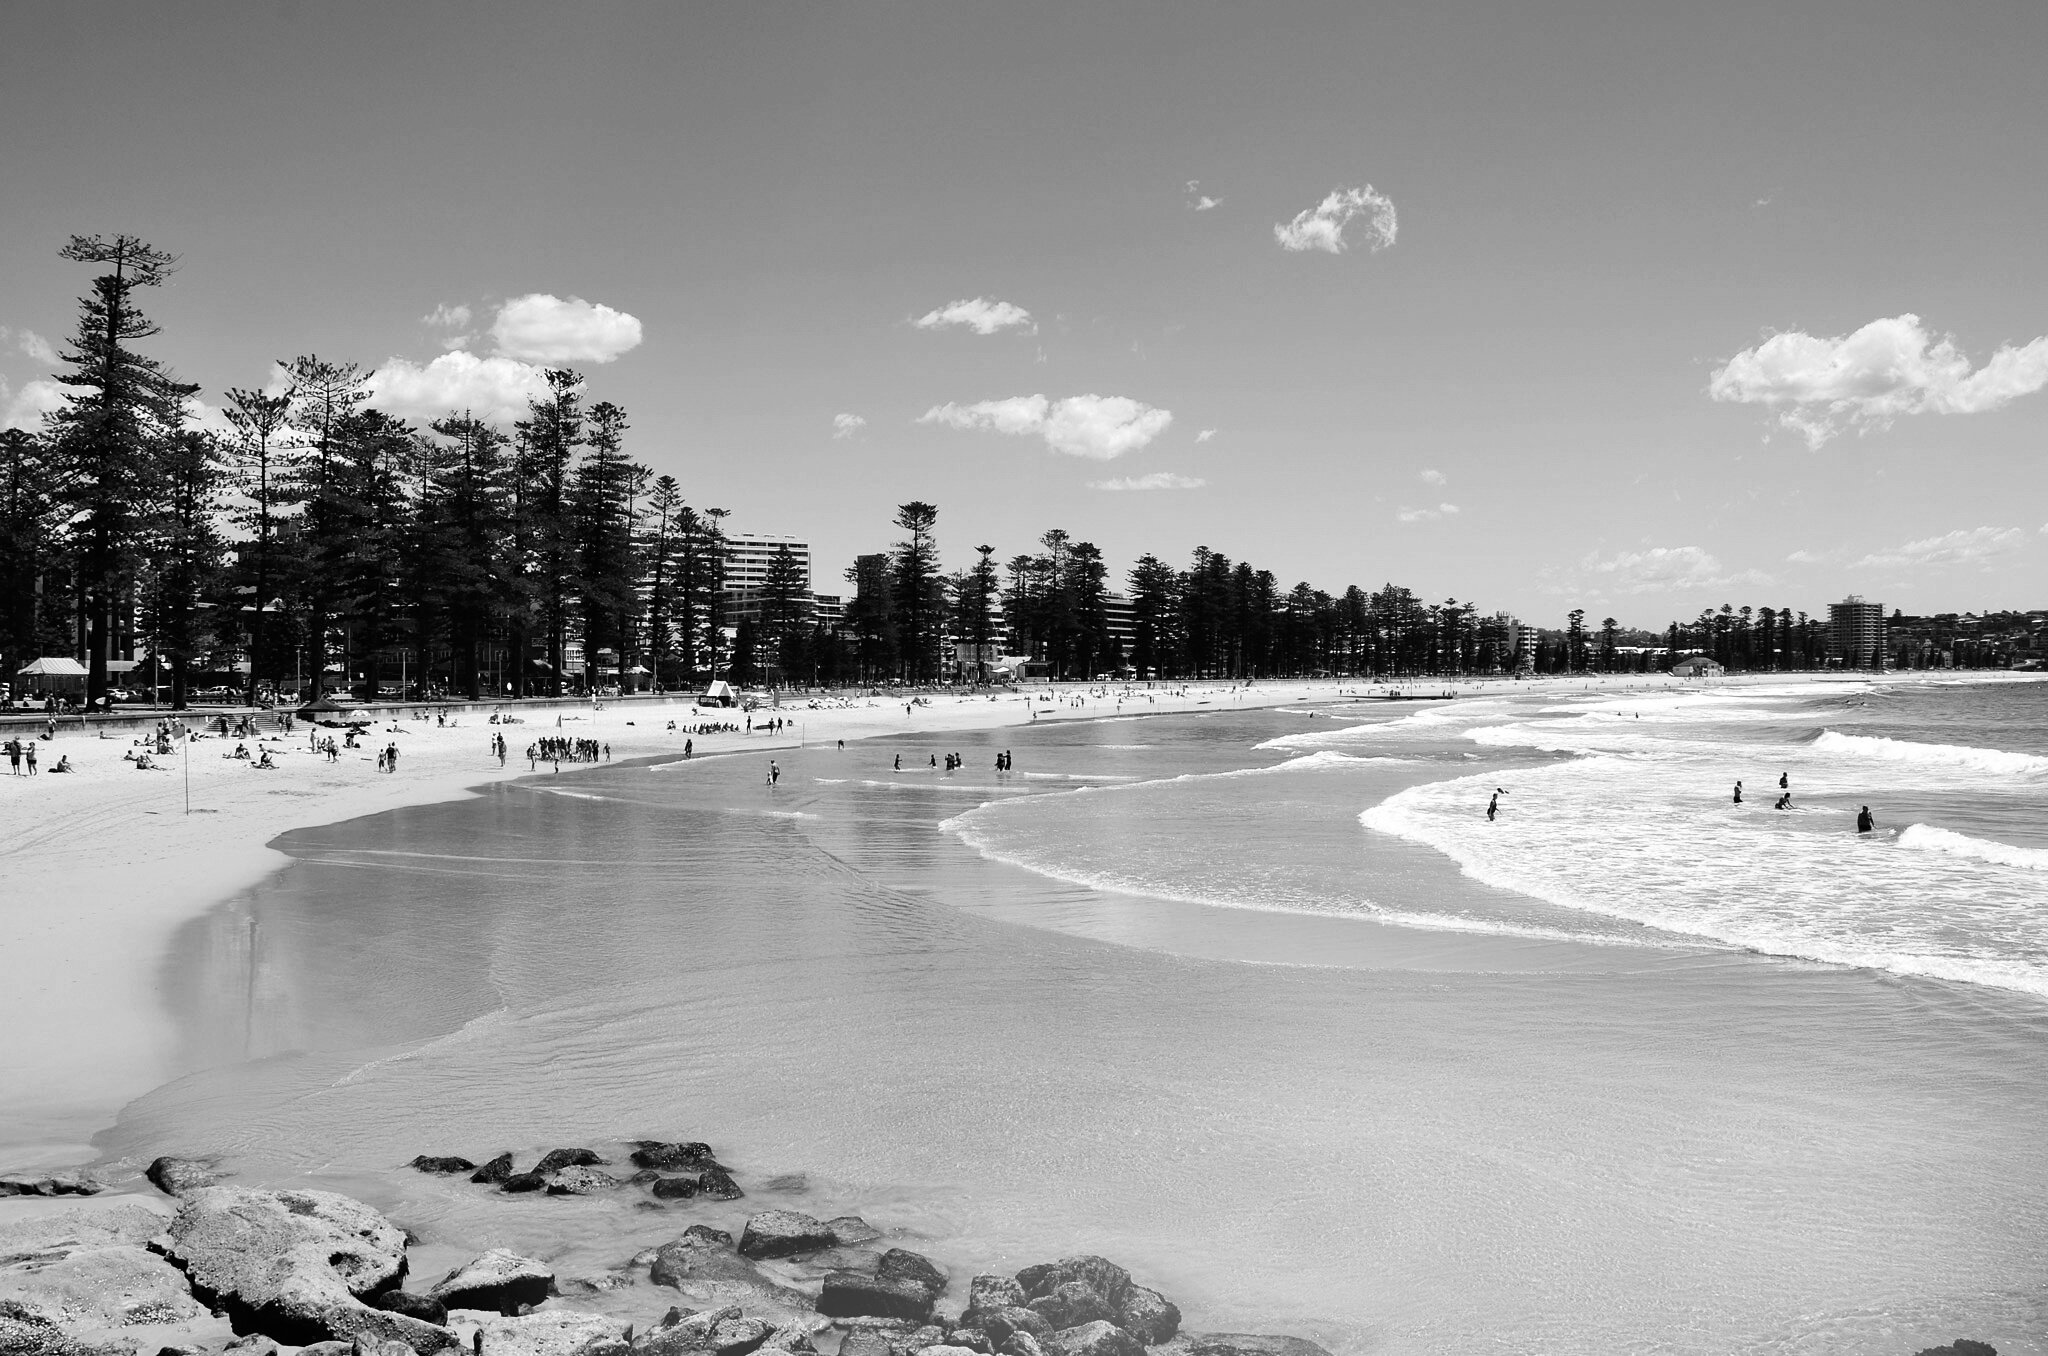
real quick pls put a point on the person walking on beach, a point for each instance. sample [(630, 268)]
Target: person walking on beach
[(31, 759), (391, 757), (689, 748), (1864, 822)]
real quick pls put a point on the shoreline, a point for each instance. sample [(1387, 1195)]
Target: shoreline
[(105, 866)]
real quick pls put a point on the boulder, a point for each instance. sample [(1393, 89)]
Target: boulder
[(422, 1307), (294, 1266), (1100, 1274), (900, 1264), (654, 1153), (88, 1274), (1000, 1324), (682, 1332), (715, 1183), (865, 1342), (783, 1233), (494, 1172), (554, 1160), (791, 1337), (1243, 1344), (993, 1292), (1071, 1304), (1021, 1343), (1962, 1346), (500, 1281), (61, 1184), (702, 1265), (580, 1181), (850, 1230), (548, 1332), (974, 1339), (1147, 1315), (442, 1166), (673, 1188), (176, 1176), (1100, 1338), (848, 1293), (943, 1349), (522, 1182)]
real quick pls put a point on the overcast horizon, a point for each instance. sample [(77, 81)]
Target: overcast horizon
[(1535, 307)]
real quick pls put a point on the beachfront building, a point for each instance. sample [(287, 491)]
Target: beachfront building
[(1697, 666), (1856, 636), (748, 556)]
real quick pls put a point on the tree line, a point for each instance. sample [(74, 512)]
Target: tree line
[(320, 539)]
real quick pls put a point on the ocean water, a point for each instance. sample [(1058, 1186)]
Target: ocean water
[(1255, 1002)]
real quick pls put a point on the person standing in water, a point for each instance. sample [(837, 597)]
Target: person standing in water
[(1864, 823), (1738, 793), (1493, 807), (774, 772)]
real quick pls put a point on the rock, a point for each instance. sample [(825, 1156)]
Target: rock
[(1962, 1346), (62, 1184), (791, 1337), (443, 1166), (681, 1332), (942, 1349), (579, 1181), (850, 1230), (1100, 1274), (856, 1292), (865, 1342), (994, 1292), (782, 1233), (1071, 1304), (176, 1176), (328, 1349), (1001, 1324), (601, 1283), (673, 1188), (554, 1160), (1022, 1344), (88, 1274), (373, 1346), (974, 1339), (715, 1183), (1244, 1344), (523, 1181), (654, 1153), (900, 1264), (499, 1281), (1147, 1315), (294, 1265), (702, 1266), (425, 1308), (1100, 1338), (549, 1332), (497, 1170)]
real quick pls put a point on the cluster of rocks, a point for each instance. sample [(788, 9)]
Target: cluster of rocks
[(669, 1171)]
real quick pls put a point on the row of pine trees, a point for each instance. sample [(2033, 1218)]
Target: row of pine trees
[(322, 535)]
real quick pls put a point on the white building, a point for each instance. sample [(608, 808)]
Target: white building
[(747, 556)]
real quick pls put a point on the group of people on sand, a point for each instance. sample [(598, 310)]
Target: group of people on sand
[(558, 750), (20, 751)]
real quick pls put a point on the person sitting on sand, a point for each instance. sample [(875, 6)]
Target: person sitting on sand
[(63, 763), (264, 761)]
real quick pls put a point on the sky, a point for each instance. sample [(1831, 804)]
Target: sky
[(1640, 309)]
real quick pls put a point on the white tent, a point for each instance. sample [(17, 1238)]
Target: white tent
[(54, 667), (718, 692)]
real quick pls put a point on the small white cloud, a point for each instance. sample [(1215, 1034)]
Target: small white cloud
[(1322, 227), (546, 329), (1199, 201), (983, 315), (25, 408), (1805, 557), (1820, 387), (1098, 427), (846, 425), (493, 389), (1158, 480), (447, 317), (1205, 435), (199, 414), (30, 345), (1426, 515), (1433, 477), (1661, 569), (1965, 546)]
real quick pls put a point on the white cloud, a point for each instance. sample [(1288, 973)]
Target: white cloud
[(1205, 435), (1433, 477), (199, 414), (983, 315), (1805, 557), (1426, 515), (494, 389), (1965, 546), (29, 344), (447, 317), (1158, 480), (546, 329), (1662, 569), (1820, 387), (25, 408), (1199, 201), (846, 425), (1322, 227), (1098, 427)]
